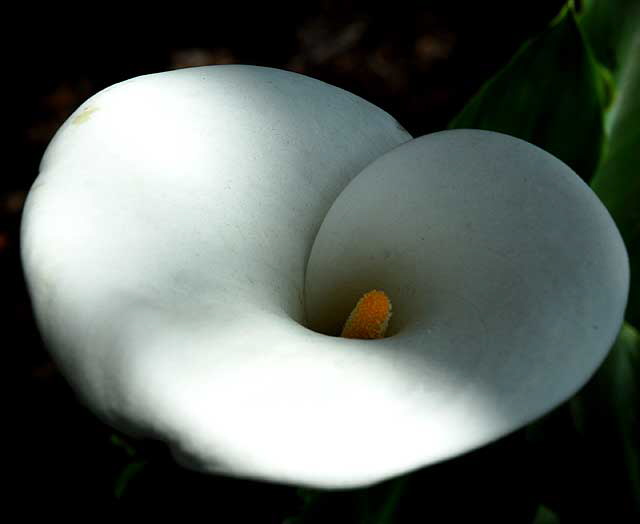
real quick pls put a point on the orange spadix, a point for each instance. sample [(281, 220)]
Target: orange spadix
[(370, 317)]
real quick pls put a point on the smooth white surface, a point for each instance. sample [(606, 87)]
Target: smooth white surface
[(165, 244), (507, 275)]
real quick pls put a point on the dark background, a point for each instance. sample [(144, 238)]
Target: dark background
[(418, 61)]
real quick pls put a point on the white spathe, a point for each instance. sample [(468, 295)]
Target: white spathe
[(165, 244)]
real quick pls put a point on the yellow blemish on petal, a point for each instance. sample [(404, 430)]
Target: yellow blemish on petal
[(85, 115), (370, 317)]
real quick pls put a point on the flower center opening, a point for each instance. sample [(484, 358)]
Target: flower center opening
[(370, 318)]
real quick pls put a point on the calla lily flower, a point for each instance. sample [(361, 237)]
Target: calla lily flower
[(196, 239)]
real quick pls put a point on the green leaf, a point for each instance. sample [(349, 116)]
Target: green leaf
[(586, 451), (607, 412), (126, 476), (551, 94), (373, 505), (617, 180), (607, 415), (610, 26), (123, 444), (491, 482), (546, 516)]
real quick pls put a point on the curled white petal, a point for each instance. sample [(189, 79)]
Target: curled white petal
[(508, 279), (165, 245)]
